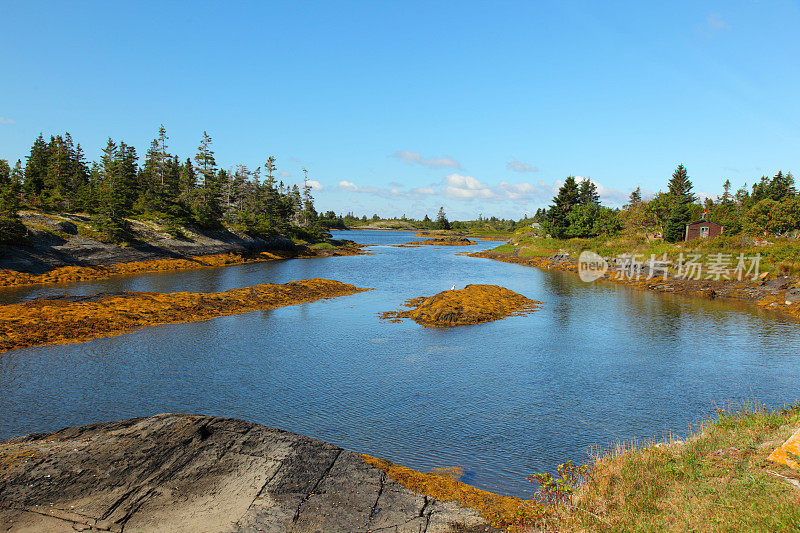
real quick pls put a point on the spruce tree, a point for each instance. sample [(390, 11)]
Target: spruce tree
[(567, 198), (207, 208), (680, 187), (726, 197), (112, 198), (441, 220), (587, 193), (635, 198), (12, 231), (36, 170), (675, 229)]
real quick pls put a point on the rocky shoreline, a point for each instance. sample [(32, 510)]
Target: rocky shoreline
[(776, 294), (59, 253), (193, 473)]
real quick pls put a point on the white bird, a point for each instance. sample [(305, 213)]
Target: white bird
[(454, 288)]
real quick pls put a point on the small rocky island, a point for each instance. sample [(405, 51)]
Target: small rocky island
[(193, 473), (439, 240), (474, 304)]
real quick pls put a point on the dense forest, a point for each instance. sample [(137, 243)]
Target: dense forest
[(175, 191)]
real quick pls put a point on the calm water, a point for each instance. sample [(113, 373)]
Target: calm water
[(596, 364)]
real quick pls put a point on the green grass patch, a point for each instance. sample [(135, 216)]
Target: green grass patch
[(718, 480)]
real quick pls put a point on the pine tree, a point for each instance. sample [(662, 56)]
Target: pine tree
[(12, 231), (36, 170), (309, 213), (680, 187), (781, 186), (587, 193), (635, 198), (111, 196), (78, 181), (726, 197), (207, 208), (271, 194), (567, 198), (675, 229), (441, 220)]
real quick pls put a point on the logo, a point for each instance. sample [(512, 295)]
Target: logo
[(591, 266)]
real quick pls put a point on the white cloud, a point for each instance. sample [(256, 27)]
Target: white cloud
[(315, 185), (284, 174), (465, 188), (517, 191), (4, 120), (519, 166), (410, 157), (469, 189)]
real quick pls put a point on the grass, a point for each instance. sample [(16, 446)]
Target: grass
[(718, 480), (782, 256), (322, 246)]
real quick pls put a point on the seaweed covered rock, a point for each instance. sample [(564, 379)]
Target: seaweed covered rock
[(474, 304), (439, 240), (63, 320)]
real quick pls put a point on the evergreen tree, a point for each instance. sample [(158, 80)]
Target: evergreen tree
[(309, 213), (12, 231), (112, 198), (587, 193), (567, 198), (726, 197), (79, 192), (635, 198), (781, 186), (441, 220), (36, 171), (680, 187), (207, 208), (675, 229)]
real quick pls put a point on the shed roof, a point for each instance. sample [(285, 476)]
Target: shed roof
[(703, 221)]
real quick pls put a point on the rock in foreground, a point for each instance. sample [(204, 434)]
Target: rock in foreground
[(200, 473), (473, 304)]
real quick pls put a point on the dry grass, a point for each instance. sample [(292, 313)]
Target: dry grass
[(62, 321), (473, 304)]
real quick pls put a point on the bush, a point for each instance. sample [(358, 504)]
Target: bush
[(12, 230)]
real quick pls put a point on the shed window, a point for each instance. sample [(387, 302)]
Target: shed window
[(704, 232)]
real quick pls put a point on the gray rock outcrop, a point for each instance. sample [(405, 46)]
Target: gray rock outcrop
[(194, 473)]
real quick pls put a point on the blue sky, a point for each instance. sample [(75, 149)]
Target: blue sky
[(400, 107)]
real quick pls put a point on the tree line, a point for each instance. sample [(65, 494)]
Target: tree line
[(57, 177), (770, 207)]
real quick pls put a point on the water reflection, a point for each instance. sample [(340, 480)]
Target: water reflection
[(598, 363)]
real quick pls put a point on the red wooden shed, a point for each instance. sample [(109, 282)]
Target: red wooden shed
[(702, 229)]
